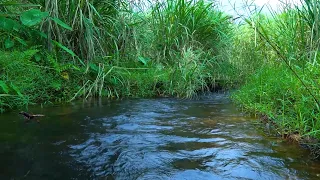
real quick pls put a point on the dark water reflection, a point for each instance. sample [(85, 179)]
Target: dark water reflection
[(147, 139)]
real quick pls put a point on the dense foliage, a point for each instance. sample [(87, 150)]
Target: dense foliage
[(58, 51), (52, 51), (284, 69)]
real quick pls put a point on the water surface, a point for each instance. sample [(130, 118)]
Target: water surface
[(207, 138)]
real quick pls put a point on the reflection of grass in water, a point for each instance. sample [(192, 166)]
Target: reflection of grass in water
[(205, 122), (189, 164), (114, 124), (188, 146)]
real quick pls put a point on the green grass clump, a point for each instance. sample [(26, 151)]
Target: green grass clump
[(24, 82), (180, 24), (59, 51), (286, 102), (175, 48), (282, 82)]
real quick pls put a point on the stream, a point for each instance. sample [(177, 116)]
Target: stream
[(164, 138)]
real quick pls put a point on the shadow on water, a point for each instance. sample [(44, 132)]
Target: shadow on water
[(168, 138)]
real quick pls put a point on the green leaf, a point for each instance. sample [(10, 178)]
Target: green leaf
[(94, 9), (4, 95), (143, 60), (21, 41), (33, 17), (42, 34), (114, 80), (75, 68), (8, 43), (94, 67), (8, 24), (62, 24), (16, 89), (19, 4), (67, 50), (4, 87), (37, 57), (64, 48), (56, 85)]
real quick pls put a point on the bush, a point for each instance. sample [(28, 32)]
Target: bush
[(25, 82)]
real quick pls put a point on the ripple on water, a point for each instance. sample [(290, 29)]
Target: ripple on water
[(180, 139)]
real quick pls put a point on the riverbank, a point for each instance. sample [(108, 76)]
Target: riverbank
[(283, 84), (26, 82), (116, 53), (53, 54)]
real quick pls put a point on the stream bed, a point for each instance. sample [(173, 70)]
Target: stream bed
[(166, 138)]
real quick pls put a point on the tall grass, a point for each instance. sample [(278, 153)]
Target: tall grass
[(24, 82), (111, 48), (285, 87), (189, 39), (182, 24), (92, 25)]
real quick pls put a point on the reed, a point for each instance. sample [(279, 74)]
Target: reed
[(285, 87), (115, 48)]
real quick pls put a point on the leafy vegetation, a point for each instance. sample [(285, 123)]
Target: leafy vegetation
[(54, 51), (283, 80)]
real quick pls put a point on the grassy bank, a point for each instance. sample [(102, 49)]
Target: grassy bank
[(56, 52), (283, 79)]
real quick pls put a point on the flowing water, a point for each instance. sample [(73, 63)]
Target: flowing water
[(207, 138)]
